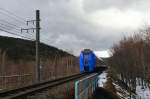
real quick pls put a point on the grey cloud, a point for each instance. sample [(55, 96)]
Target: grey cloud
[(92, 5), (64, 25)]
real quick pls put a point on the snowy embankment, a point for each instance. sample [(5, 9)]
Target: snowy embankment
[(141, 93), (122, 93), (102, 79)]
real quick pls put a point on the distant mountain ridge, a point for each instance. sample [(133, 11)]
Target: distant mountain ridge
[(17, 48)]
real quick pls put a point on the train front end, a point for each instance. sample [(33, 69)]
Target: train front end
[(87, 61)]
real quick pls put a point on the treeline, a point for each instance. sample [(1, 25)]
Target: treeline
[(24, 49), (131, 59)]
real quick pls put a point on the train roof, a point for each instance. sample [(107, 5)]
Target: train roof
[(87, 51)]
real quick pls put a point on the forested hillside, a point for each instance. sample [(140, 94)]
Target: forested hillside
[(18, 48)]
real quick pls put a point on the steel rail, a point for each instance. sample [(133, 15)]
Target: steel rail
[(38, 87), (41, 86)]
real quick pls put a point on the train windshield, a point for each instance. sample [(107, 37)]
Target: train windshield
[(86, 59)]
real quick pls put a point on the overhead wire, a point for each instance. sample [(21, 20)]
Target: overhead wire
[(7, 29), (12, 17), (4, 26), (12, 14), (4, 21), (12, 28), (16, 34)]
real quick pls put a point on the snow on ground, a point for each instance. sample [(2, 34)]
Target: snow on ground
[(124, 94), (120, 92), (142, 93), (102, 79)]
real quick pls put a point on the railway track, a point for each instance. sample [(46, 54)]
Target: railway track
[(37, 88)]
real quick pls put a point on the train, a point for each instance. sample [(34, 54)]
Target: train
[(87, 61)]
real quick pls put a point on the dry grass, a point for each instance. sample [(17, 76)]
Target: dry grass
[(12, 71)]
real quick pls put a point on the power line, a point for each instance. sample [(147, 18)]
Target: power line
[(12, 14), (10, 27), (19, 21), (10, 23), (6, 28), (5, 25), (16, 30), (16, 34)]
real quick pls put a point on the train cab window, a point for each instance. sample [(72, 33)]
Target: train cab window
[(86, 59), (85, 62)]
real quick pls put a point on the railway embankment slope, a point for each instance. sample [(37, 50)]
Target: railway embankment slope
[(101, 93)]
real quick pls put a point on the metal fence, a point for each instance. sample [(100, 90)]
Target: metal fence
[(85, 87), (14, 81)]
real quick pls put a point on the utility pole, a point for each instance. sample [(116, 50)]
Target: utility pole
[(38, 71), (37, 43)]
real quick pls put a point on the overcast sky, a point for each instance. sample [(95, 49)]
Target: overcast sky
[(77, 24)]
